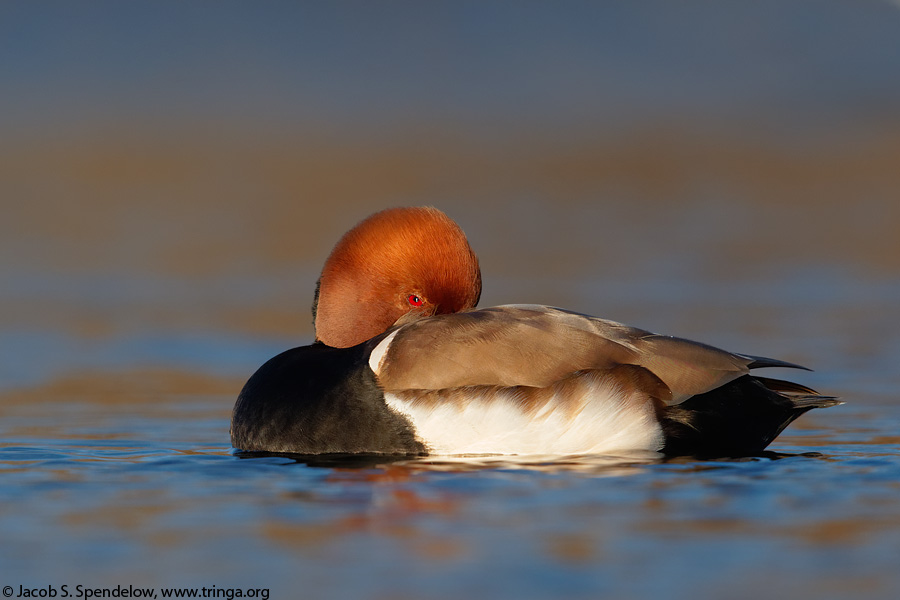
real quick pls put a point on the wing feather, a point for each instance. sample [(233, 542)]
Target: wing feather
[(536, 346)]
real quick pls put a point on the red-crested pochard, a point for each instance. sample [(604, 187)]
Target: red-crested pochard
[(403, 363)]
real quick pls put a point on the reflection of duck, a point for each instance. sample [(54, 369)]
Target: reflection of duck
[(404, 364)]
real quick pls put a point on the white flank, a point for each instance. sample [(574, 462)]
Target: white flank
[(377, 355), (605, 421)]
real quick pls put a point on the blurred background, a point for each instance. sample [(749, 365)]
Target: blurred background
[(173, 175)]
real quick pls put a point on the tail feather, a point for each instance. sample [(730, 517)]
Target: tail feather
[(788, 388), (808, 402), (740, 418)]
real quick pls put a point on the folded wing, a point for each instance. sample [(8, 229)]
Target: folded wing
[(531, 345)]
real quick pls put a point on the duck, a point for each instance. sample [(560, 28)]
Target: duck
[(404, 363)]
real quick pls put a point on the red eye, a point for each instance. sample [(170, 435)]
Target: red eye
[(415, 300)]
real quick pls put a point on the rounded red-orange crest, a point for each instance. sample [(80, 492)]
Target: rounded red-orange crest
[(398, 262)]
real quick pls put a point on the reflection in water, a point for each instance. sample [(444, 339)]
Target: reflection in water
[(592, 464)]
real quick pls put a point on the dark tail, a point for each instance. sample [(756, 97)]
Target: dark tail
[(740, 418)]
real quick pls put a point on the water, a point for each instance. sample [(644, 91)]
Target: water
[(123, 486), (171, 181)]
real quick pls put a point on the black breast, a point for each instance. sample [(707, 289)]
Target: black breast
[(318, 399)]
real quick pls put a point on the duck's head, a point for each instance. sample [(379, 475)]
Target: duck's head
[(399, 264)]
